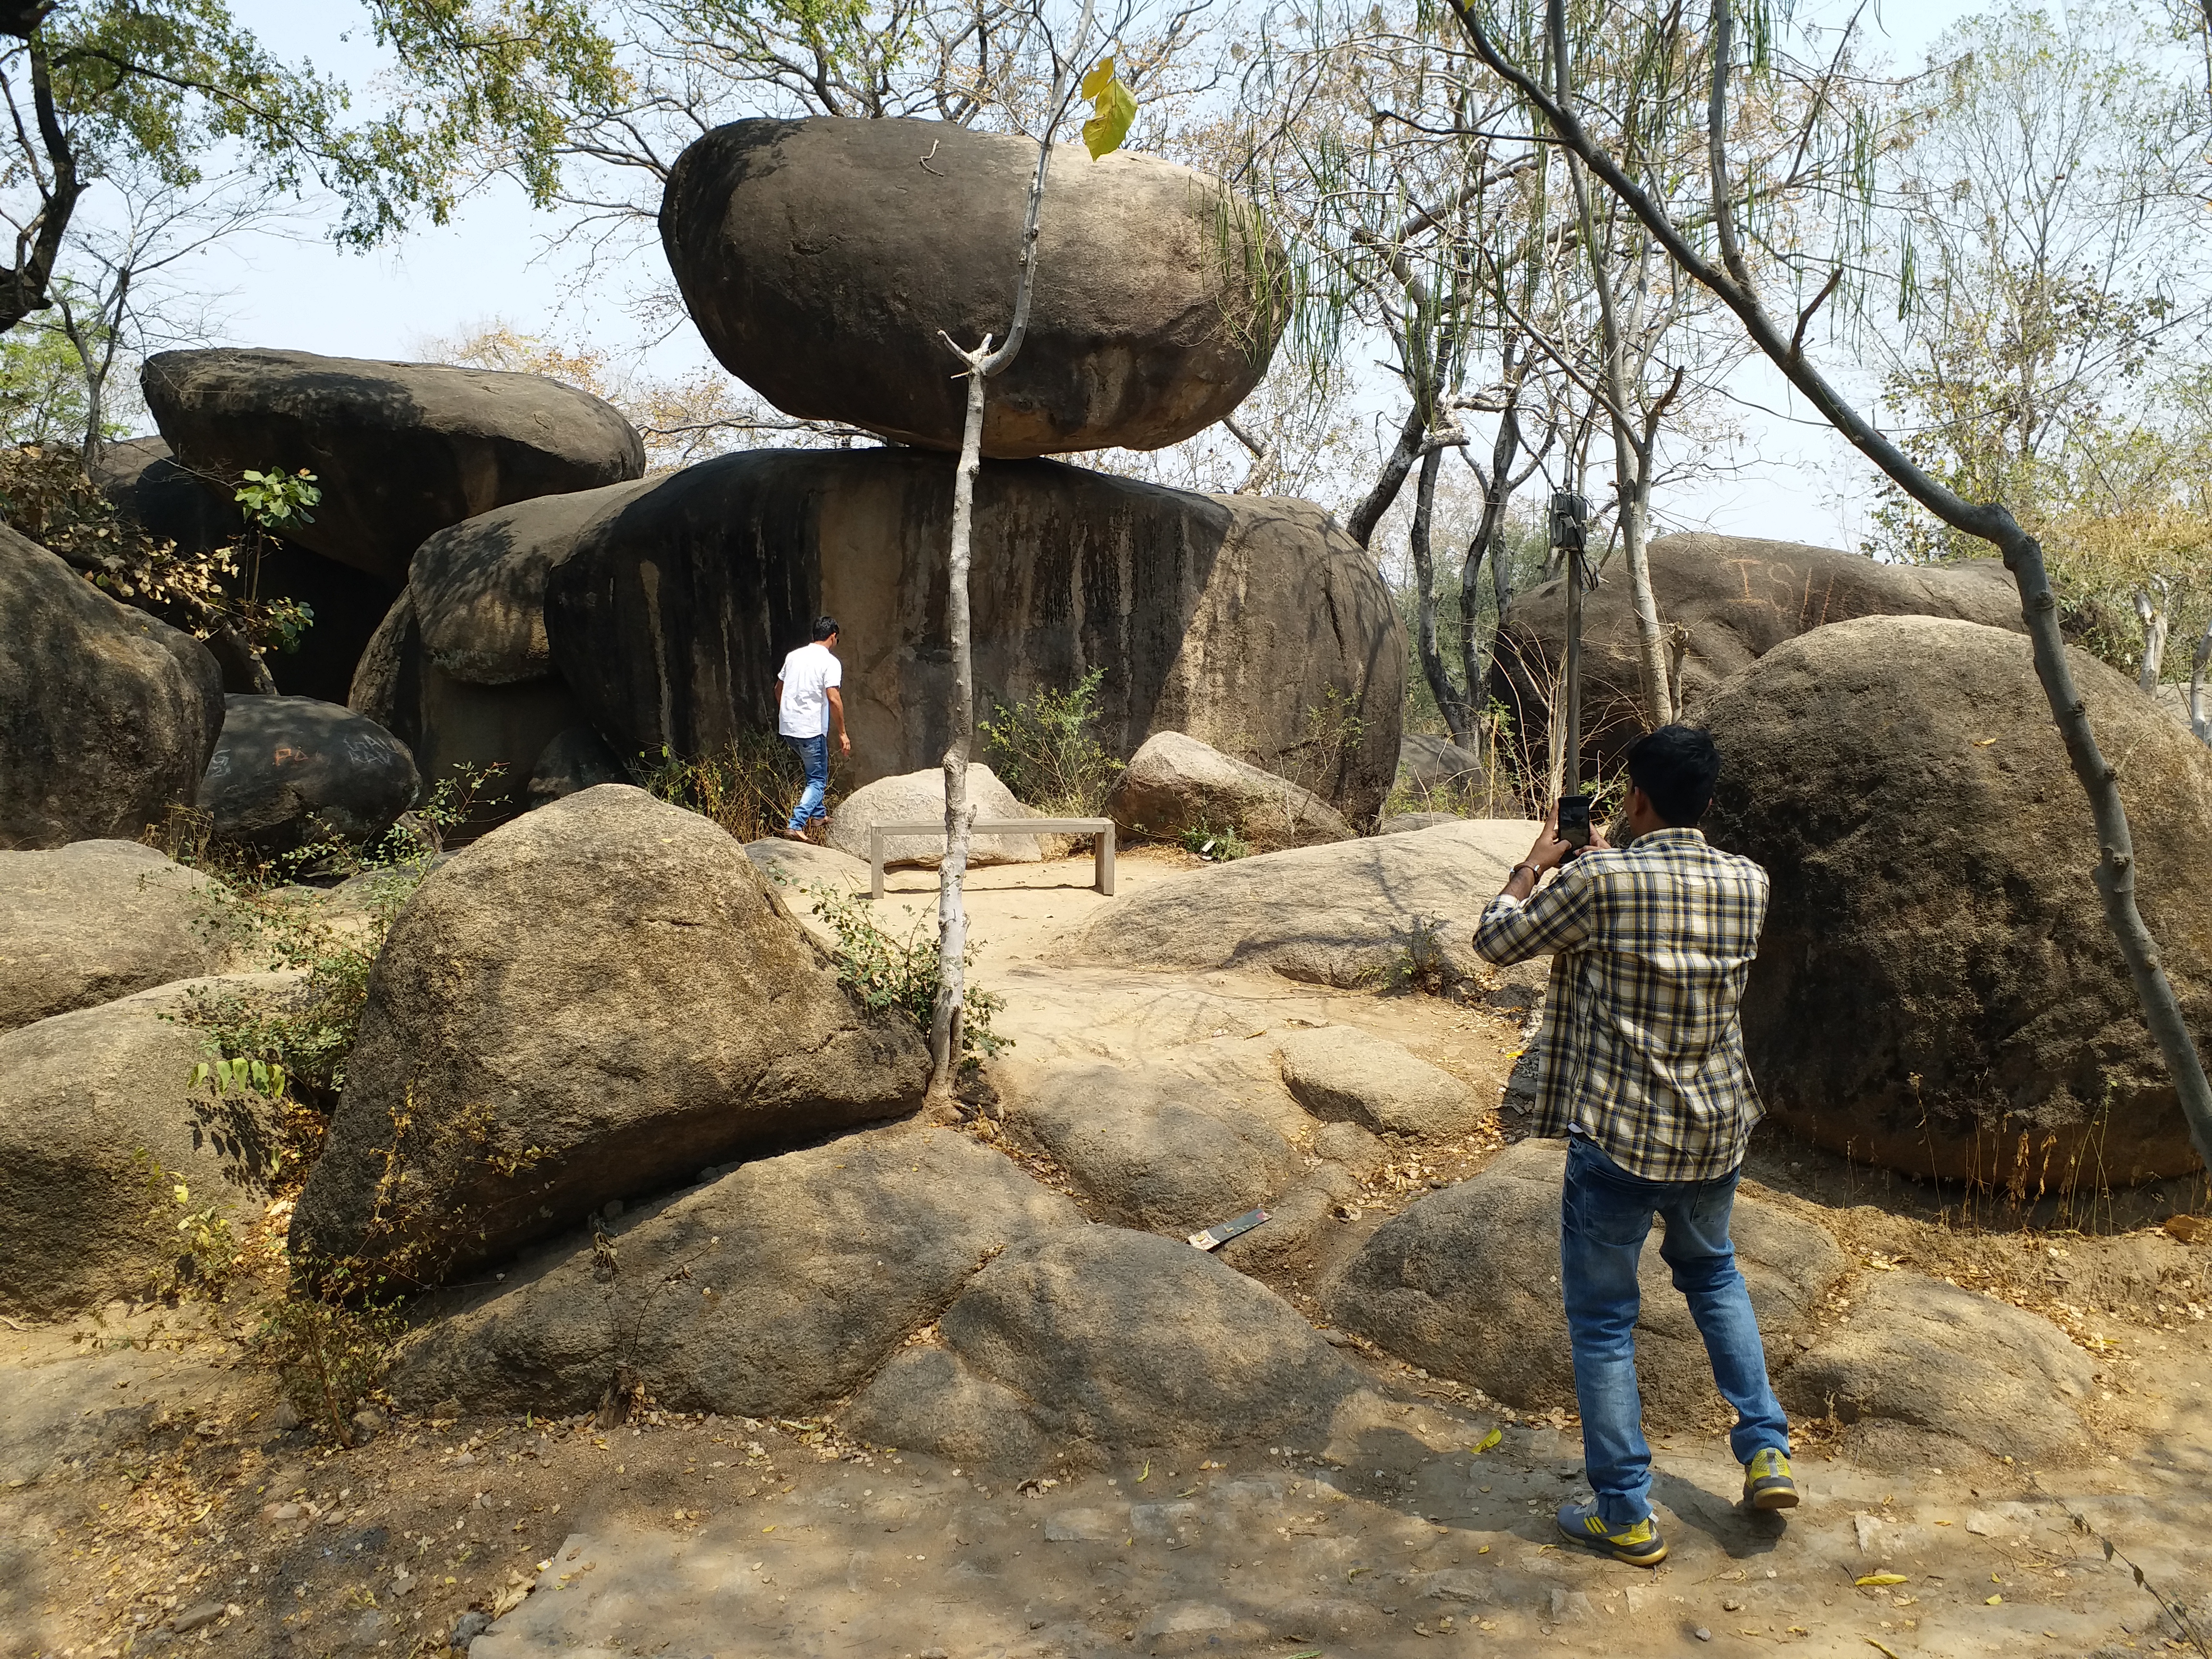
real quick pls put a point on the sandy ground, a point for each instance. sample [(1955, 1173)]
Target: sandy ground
[(147, 1482)]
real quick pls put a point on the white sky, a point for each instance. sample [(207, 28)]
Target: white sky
[(495, 260)]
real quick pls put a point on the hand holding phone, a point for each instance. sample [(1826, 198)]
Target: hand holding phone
[(1575, 821)]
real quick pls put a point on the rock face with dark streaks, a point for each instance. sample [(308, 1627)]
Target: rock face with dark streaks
[(821, 258), (1246, 621)]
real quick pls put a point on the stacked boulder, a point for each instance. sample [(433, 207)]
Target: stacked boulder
[(820, 264)]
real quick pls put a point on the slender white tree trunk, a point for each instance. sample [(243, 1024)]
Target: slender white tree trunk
[(2200, 704), (951, 913), (2151, 612)]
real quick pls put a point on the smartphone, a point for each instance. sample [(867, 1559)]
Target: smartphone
[(1575, 820)]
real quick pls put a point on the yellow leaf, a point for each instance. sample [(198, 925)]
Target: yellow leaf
[(1485, 1550), (1114, 108), (1487, 1442), (1995, 1601), (1881, 1578), (1984, 743)]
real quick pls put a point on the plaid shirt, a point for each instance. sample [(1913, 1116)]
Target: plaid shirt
[(1641, 1048)]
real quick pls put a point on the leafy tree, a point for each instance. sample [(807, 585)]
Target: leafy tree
[(1712, 248), (93, 86)]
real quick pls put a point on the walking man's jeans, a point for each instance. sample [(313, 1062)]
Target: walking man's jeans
[(814, 755), (1605, 1218)]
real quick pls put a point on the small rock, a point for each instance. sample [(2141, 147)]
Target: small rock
[(2189, 1228), (1731, 1605), (1702, 1634), (467, 1628), (191, 1618), (1868, 1528), (1336, 1339), (368, 1422), (933, 1653), (402, 1581), (1979, 1524), (1183, 1618), (285, 1417), (1172, 1521), (1088, 1526)]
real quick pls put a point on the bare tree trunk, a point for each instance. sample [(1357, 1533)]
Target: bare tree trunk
[(2023, 555), (2200, 706), (1369, 513), (1449, 703), (1264, 457), (1631, 482), (946, 1018), (951, 913), (2151, 611)]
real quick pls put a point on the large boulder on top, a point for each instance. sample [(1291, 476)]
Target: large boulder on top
[(1242, 621), (1465, 1283), (107, 716), (288, 770), (820, 262), (1737, 597), (589, 1003), (1936, 991), (495, 734), (98, 920), (1347, 914), (399, 450), (1175, 783), (918, 798), (800, 1275), (96, 1111)]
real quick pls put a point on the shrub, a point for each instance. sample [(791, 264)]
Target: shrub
[(1215, 845), (748, 787), (887, 972), (328, 1356), (1046, 751)]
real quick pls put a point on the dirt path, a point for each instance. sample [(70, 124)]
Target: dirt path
[(148, 1479)]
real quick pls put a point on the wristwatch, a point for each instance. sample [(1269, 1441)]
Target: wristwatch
[(1534, 874)]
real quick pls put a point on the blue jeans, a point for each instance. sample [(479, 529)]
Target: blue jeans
[(814, 755), (1605, 1217)]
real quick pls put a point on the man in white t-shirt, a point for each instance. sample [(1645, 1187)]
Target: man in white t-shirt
[(808, 706)]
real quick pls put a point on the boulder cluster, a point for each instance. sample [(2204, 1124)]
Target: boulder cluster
[(494, 583)]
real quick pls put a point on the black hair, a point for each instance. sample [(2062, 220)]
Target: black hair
[(1677, 767), (825, 627)]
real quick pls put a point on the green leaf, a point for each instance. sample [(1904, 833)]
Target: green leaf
[(1114, 108), (199, 1076)]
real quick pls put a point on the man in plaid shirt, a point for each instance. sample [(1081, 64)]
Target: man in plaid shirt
[(1643, 1071)]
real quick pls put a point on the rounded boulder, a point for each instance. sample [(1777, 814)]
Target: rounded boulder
[(1936, 990), (399, 450), (1734, 598), (288, 769), (821, 258), (107, 716)]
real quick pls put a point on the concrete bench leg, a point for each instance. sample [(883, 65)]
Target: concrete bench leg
[(1101, 861), (875, 863)]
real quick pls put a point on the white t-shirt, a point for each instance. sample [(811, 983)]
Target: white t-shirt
[(808, 674)]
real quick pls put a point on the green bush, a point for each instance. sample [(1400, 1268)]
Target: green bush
[(748, 787), (887, 972), (1215, 846), (1045, 751)]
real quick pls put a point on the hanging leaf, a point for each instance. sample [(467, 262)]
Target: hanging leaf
[(1112, 106)]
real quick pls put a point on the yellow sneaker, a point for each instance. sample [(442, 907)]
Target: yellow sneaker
[(1640, 1545), (1766, 1482)]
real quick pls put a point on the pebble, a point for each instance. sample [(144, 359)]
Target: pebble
[(193, 1618), (1702, 1634), (468, 1627)]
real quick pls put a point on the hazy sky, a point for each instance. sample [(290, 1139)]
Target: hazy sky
[(495, 260)]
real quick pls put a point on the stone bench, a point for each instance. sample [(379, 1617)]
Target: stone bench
[(1101, 829)]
